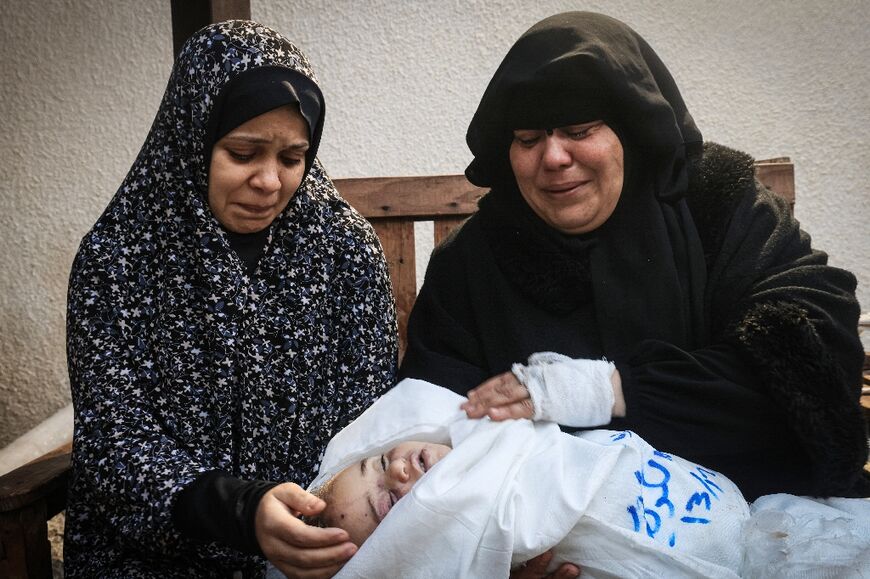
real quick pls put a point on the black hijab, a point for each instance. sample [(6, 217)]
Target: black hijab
[(250, 94), (260, 90), (646, 262)]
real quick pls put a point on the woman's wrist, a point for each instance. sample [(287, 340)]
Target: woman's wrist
[(618, 397), (572, 392)]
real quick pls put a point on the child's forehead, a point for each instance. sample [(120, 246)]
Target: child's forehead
[(349, 504), (352, 481)]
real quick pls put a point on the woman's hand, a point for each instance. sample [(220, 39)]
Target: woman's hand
[(501, 397), (297, 549), (537, 569)]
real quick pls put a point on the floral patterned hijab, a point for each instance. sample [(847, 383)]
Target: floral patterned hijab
[(181, 361)]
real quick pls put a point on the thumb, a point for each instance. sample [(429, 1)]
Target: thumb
[(298, 499)]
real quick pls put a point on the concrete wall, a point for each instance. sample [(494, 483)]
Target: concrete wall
[(82, 78)]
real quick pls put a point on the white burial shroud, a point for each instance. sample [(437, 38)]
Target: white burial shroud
[(509, 491)]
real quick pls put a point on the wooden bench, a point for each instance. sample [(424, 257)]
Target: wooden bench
[(34, 493)]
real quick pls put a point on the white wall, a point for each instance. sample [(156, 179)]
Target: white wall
[(781, 77), (82, 79)]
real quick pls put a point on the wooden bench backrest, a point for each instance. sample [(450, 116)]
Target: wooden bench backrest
[(394, 204)]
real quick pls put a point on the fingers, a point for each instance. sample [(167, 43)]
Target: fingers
[(298, 499), (501, 397), (522, 409), (296, 573), (537, 569), (276, 519), (297, 549), (497, 391), (533, 568), (566, 571), (297, 534), (318, 562)]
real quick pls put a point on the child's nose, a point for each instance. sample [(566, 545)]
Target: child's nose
[(398, 470)]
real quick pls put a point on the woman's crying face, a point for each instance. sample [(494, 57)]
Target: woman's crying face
[(256, 168), (571, 176)]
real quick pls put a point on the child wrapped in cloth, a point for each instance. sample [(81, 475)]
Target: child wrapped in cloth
[(509, 491)]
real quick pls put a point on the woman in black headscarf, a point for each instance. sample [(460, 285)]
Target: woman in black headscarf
[(228, 313), (690, 306)]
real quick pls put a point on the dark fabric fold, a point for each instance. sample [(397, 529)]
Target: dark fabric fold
[(548, 267)]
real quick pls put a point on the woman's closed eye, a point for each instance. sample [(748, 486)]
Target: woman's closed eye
[(290, 161), (527, 138), (242, 156), (579, 132)]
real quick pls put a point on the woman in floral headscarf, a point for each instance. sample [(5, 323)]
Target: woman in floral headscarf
[(228, 313)]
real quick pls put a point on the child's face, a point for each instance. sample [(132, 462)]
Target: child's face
[(363, 493)]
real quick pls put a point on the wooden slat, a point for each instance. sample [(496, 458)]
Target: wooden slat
[(29, 496), (773, 160), (443, 226), (778, 176), (188, 16), (397, 238), (25, 552), (230, 10), (452, 195), (35, 481), (411, 197)]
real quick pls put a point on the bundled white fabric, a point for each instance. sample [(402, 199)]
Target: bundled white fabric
[(573, 392), (789, 537), (604, 500), (512, 490)]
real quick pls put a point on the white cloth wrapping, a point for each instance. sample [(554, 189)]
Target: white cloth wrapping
[(511, 490), (573, 392), (790, 537), (514, 489)]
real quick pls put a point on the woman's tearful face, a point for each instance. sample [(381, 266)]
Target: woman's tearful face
[(363, 493), (571, 176), (256, 168)]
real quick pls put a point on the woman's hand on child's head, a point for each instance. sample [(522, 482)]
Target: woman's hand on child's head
[(501, 397), (537, 569), (297, 549)]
